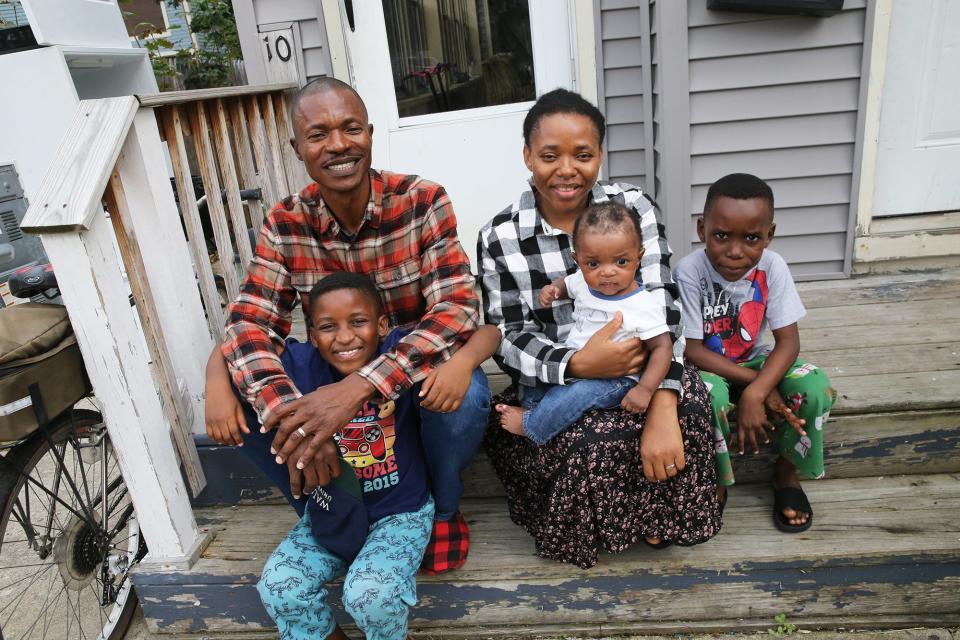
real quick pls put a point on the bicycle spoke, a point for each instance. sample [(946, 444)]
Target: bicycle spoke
[(42, 611), (31, 577), (16, 601)]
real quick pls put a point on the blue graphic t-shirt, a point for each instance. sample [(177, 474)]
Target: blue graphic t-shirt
[(381, 443)]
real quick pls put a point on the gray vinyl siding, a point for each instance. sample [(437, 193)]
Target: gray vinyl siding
[(778, 96), (624, 90), (305, 14)]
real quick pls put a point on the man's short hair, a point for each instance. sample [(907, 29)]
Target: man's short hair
[(322, 85), (740, 186), (347, 280)]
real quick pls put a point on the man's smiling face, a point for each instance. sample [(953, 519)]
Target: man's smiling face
[(333, 139)]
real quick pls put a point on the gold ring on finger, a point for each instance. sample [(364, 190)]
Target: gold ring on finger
[(671, 466), (303, 434)]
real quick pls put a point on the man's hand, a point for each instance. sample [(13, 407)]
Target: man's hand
[(446, 386), (777, 407), (637, 399), (318, 471), (320, 414), (603, 357), (223, 415), (661, 445), (752, 423)]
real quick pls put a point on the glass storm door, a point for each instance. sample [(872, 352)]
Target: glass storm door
[(448, 83)]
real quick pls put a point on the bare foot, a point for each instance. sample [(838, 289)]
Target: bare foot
[(785, 475), (511, 418), (337, 634)]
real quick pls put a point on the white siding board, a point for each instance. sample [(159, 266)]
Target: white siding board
[(624, 137), (621, 53), (788, 67), (310, 36), (624, 163), (623, 82), (622, 57), (315, 63), (775, 163), (271, 11), (794, 192), (624, 109), (774, 101), (783, 34), (773, 133), (606, 5), (816, 270)]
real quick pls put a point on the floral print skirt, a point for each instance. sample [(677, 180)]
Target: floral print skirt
[(584, 490)]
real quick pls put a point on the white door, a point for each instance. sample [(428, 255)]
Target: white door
[(918, 155), (447, 84)]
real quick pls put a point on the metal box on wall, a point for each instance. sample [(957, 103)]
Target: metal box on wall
[(802, 7)]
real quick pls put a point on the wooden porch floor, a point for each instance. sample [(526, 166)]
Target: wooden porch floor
[(884, 551)]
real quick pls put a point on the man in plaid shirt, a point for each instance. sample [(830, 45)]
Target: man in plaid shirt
[(401, 231)]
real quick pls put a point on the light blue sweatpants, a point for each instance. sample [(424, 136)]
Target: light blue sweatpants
[(379, 588)]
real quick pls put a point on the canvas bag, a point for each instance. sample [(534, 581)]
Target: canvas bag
[(37, 347)]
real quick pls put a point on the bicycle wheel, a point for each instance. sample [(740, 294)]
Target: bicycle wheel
[(66, 551)]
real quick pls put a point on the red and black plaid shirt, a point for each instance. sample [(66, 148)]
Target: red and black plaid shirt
[(407, 242)]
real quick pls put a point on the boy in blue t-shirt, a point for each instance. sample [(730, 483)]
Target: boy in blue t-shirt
[(372, 525), (731, 292)]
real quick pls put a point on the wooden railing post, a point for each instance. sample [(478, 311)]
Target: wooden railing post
[(80, 242)]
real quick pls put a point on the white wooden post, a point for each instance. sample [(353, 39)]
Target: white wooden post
[(80, 242), (167, 260)]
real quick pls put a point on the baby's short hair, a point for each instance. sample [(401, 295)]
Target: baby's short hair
[(347, 280), (740, 186), (606, 217)]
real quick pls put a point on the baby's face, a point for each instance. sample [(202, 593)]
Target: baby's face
[(735, 233), (609, 259)]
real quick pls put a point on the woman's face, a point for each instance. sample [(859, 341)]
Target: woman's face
[(564, 156)]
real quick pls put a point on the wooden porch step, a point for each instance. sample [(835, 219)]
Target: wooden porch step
[(882, 549), (857, 445)]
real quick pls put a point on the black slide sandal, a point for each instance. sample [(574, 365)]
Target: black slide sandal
[(791, 498)]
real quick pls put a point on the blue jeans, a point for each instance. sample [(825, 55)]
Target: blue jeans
[(379, 586), (552, 408), (449, 441)]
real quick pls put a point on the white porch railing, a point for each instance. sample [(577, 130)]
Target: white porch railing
[(105, 208)]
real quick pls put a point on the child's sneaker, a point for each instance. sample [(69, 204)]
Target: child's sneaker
[(448, 546)]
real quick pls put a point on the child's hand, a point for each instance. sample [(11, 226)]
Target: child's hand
[(548, 294), (223, 415), (637, 399), (752, 422), (444, 388), (776, 406)]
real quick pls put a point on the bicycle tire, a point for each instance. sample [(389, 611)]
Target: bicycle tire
[(58, 561)]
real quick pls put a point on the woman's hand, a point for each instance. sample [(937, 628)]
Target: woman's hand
[(445, 387), (223, 414), (661, 446), (604, 357)]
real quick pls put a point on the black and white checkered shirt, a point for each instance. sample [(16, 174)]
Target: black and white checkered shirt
[(520, 253)]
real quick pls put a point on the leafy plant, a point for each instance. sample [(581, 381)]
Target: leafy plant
[(783, 628), (212, 26)]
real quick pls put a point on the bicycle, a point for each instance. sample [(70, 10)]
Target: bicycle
[(69, 533)]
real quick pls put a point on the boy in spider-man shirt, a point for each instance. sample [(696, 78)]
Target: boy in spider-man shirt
[(731, 292)]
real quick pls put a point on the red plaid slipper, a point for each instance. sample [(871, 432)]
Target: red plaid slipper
[(448, 546)]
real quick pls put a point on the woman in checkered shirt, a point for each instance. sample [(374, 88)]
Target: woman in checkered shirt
[(612, 478)]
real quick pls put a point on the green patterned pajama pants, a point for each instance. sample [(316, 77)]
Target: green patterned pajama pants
[(806, 390)]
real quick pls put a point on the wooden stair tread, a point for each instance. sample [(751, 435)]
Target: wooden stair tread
[(859, 517), (875, 541)]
